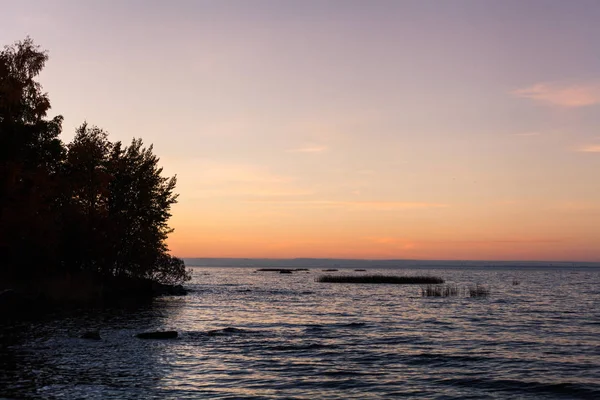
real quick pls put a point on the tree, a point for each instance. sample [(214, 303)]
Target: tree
[(86, 181), (117, 209), (91, 206), (30, 156), (139, 208)]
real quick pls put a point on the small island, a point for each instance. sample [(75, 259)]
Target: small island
[(374, 279)]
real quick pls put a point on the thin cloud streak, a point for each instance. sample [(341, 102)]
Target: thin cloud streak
[(313, 149), (527, 134), (413, 243), (576, 206), (569, 96), (593, 148), (392, 241), (371, 205), (500, 241)]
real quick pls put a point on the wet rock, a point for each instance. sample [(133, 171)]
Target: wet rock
[(285, 271), (92, 335), (157, 335)]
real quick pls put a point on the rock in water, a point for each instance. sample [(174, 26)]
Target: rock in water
[(93, 335), (157, 335)]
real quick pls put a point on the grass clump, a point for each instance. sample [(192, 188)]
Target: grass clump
[(439, 290), (478, 291), (394, 279)]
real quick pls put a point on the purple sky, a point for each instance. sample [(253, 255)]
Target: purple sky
[(417, 129)]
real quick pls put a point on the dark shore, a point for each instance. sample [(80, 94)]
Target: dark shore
[(19, 300)]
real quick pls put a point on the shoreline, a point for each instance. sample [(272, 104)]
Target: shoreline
[(24, 300)]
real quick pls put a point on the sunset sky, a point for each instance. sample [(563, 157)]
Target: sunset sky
[(349, 129)]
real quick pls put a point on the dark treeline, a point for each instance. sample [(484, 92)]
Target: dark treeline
[(91, 206)]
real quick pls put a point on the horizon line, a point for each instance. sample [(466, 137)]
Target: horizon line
[(389, 259)]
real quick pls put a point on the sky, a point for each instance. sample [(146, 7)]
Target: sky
[(347, 129)]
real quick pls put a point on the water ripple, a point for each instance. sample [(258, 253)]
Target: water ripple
[(246, 335)]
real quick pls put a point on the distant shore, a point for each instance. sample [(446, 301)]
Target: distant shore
[(370, 264)]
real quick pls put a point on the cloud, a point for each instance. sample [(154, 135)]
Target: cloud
[(392, 241), (389, 205), (527, 134), (576, 206), (569, 96), (501, 241), (368, 205), (365, 172), (505, 203), (231, 173), (205, 178), (592, 148), (309, 149), (410, 244)]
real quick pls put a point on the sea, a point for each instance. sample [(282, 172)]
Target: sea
[(534, 333)]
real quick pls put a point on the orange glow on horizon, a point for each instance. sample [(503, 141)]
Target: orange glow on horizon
[(374, 130), (310, 242)]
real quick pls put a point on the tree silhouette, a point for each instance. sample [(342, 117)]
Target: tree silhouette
[(91, 206), (139, 208), (85, 208), (30, 157)]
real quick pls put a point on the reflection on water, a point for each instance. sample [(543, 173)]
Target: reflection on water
[(296, 338)]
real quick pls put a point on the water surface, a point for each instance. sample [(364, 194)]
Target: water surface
[(299, 339)]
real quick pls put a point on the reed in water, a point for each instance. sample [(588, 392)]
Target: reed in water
[(439, 290)]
